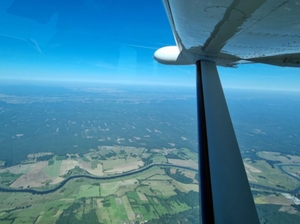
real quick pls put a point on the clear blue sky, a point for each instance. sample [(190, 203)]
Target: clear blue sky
[(105, 41)]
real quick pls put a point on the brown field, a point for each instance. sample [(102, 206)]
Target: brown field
[(99, 202), (84, 165), (58, 213), (250, 177), (173, 171), (40, 217), (125, 167), (190, 174), (56, 180), (67, 165), (185, 187), (128, 182), (33, 178), (70, 200), (24, 168), (97, 171), (273, 199), (156, 201), (181, 162), (142, 196), (288, 209), (251, 168), (88, 167)]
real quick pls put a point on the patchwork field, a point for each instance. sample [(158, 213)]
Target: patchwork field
[(276, 156), (273, 178), (275, 172), (125, 199), (137, 197)]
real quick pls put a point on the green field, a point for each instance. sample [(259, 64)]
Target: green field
[(159, 159), (160, 177), (85, 159), (115, 210), (94, 164), (109, 188), (110, 164), (87, 191), (53, 170), (294, 170), (276, 156), (192, 155), (272, 176), (7, 178), (83, 196), (165, 188)]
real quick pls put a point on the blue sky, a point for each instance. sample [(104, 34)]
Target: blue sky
[(105, 41)]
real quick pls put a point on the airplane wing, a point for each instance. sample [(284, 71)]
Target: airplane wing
[(234, 31), (227, 32)]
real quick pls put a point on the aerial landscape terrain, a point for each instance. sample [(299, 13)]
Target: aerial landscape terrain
[(128, 154)]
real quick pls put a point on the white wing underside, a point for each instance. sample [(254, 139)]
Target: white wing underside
[(230, 32)]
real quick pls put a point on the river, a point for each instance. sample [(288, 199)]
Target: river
[(61, 184)]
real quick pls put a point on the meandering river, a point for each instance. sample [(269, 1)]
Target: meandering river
[(61, 184)]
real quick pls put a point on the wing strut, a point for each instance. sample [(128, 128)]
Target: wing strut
[(225, 192)]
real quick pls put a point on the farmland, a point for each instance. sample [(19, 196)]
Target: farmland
[(137, 197)]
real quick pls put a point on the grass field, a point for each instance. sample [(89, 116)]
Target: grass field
[(164, 187), (159, 159), (7, 178), (51, 208), (53, 170), (272, 199), (192, 155), (294, 170), (190, 174), (94, 164), (128, 209), (110, 164), (276, 156), (125, 186), (109, 188), (141, 207), (127, 150), (185, 187), (116, 211), (160, 177), (147, 191), (85, 159), (88, 191), (150, 172), (272, 177)]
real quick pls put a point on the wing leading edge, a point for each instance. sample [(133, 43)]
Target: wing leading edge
[(234, 31)]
